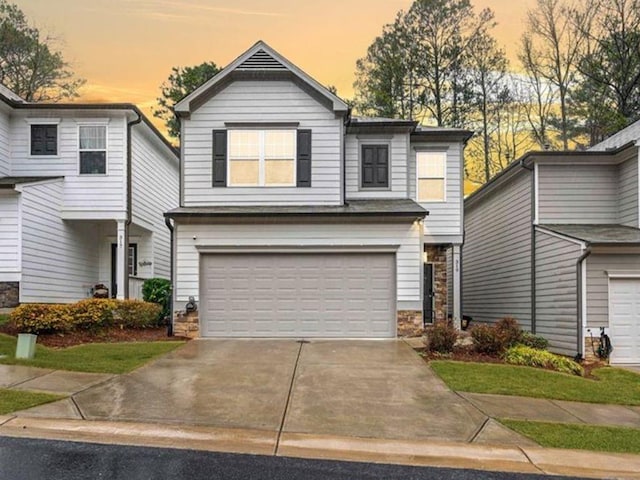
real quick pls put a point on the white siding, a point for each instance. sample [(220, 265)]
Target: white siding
[(556, 292), (628, 191), (407, 237), (598, 284), (155, 191), (85, 193), (496, 255), (59, 258), (398, 144), (445, 218), (262, 101), (5, 145), (578, 193), (9, 232)]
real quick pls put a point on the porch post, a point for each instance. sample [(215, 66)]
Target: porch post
[(121, 260), (457, 282)]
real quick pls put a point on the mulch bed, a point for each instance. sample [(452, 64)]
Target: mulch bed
[(109, 335)]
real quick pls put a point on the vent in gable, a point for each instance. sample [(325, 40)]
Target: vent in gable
[(261, 60)]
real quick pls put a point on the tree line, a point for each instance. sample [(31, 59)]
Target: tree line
[(575, 82)]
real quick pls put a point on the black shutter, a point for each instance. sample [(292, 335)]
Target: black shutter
[(304, 159), (44, 139), (219, 158), (375, 166)]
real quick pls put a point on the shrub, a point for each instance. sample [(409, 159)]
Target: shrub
[(487, 339), (509, 331), (136, 314), (93, 313), (533, 357), (534, 341), (158, 290), (441, 337), (42, 318)]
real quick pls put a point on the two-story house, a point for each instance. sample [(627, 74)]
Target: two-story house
[(298, 220), (554, 241), (83, 189)]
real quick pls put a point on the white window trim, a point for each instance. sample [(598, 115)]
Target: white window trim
[(96, 123), (444, 178), (43, 121), (262, 160)]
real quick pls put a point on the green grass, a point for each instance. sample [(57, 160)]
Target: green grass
[(582, 437), (14, 400), (613, 385), (3, 318), (92, 357)]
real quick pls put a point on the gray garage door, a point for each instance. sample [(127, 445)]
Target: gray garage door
[(298, 295)]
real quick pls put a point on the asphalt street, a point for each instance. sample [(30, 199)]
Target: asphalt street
[(28, 459)]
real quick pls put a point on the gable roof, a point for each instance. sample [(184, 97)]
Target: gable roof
[(260, 61)]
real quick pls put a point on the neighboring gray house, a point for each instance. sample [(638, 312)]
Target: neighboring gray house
[(554, 241), (298, 220), (83, 189)]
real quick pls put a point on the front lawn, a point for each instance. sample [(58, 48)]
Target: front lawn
[(94, 357), (613, 385), (582, 437), (14, 400), (4, 318)]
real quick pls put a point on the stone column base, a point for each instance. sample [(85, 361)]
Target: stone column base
[(186, 324), (410, 323), (9, 294)]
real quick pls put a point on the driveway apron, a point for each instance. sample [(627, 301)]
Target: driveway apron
[(334, 387)]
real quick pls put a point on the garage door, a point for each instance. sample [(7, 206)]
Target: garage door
[(624, 320), (298, 295)]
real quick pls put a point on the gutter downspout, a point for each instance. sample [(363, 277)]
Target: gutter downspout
[(129, 203), (579, 265), (167, 222), (533, 246)]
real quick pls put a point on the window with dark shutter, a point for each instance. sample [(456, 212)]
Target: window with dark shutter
[(375, 166), (303, 167), (44, 139), (219, 166)]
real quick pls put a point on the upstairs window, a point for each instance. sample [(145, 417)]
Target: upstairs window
[(93, 149), (44, 140), (262, 158), (375, 166), (431, 176)]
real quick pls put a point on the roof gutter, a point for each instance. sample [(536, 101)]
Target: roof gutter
[(580, 296), (130, 126)]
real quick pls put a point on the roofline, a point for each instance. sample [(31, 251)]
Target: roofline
[(176, 215), (94, 106), (11, 186), (549, 227), (444, 134), (184, 105), (530, 157)]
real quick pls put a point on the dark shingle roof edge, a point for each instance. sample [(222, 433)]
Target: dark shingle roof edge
[(356, 208), (597, 234), (11, 182)]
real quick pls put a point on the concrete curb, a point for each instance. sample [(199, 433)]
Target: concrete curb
[(262, 442)]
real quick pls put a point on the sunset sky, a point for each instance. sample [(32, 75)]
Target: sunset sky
[(126, 48)]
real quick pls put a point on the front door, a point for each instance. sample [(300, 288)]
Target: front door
[(428, 313)]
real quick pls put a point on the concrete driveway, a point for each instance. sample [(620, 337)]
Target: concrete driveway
[(354, 388)]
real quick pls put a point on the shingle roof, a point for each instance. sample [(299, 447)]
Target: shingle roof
[(606, 234), (397, 207), (11, 182)]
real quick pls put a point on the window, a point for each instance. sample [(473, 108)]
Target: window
[(431, 176), (262, 158), (375, 166), (93, 149), (133, 259), (44, 139)]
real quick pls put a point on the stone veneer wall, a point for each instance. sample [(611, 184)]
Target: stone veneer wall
[(410, 323), (9, 294), (186, 324), (437, 255)]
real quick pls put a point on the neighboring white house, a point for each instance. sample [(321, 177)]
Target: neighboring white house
[(554, 241), (83, 189), (297, 219)]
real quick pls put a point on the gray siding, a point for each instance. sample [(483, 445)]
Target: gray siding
[(262, 101), (578, 193), (5, 148), (628, 190), (497, 254), (557, 292), (598, 284), (398, 144)]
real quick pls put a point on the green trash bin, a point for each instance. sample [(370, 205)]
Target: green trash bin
[(26, 347)]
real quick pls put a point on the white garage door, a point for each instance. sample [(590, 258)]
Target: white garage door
[(298, 295), (624, 320)]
